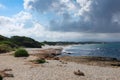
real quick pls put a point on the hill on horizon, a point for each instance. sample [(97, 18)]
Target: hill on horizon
[(20, 41)]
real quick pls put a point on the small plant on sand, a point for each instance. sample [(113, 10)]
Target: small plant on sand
[(21, 53), (39, 61), (1, 78)]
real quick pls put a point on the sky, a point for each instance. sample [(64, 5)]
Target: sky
[(61, 20)]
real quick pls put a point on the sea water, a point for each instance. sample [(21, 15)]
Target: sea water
[(100, 50)]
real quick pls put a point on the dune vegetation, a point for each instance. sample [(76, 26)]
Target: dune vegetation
[(14, 42)]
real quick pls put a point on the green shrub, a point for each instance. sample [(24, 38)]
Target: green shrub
[(23, 41), (5, 48), (2, 38), (11, 44), (21, 53), (39, 61), (1, 78)]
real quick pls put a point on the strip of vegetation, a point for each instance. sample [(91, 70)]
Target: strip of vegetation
[(9, 44)]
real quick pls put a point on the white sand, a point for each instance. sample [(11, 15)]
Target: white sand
[(55, 70)]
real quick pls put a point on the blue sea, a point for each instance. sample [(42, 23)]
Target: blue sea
[(102, 50)]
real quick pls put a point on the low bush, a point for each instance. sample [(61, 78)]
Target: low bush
[(12, 45), (5, 48), (39, 61), (21, 53)]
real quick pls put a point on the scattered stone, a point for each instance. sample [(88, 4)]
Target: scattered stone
[(7, 75), (59, 65), (116, 65), (1, 78), (63, 62), (7, 70), (54, 54), (42, 65), (4, 74), (56, 58), (33, 65), (69, 53), (79, 73)]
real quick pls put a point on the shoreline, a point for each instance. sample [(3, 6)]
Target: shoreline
[(55, 51), (93, 60)]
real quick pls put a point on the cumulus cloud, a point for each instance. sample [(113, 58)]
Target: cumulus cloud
[(91, 16), (11, 25), (15, 25)]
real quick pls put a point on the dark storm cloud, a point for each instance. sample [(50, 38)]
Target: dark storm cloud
[(103, 16), (70, 25)]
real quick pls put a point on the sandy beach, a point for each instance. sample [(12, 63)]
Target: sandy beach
[(54, 70)]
